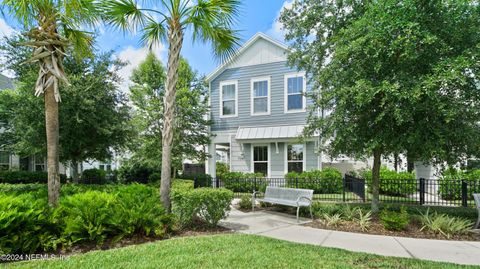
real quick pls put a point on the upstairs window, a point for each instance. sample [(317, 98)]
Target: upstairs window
[(260, 96), (228, 99), (295, 93)]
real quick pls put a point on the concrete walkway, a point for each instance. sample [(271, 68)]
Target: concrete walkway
[(285, 227)]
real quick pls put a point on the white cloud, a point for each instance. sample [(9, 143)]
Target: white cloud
[(6, 31), (276, 30), (133, 57)]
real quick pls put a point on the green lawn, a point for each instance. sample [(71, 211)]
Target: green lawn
[(229, 251)]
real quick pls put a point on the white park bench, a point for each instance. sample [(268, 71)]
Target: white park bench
[(476, 197), (286, 196)]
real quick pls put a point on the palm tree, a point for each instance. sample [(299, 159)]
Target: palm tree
[(51, 27), (209, 21)]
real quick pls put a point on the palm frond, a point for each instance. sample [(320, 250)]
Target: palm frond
[(124, 15), (81, 41), (22, 10), (153, 33), (212, 21), (80, 11)]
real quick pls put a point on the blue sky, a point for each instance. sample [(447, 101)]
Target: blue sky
[(256, 16)]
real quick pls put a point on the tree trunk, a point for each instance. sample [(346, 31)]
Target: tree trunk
[(410, 164), (75, 171), (175, 39), (52, 131), (395, 161), (376, 180)]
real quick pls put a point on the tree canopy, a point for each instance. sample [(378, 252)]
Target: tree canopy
[(94, 115), (191, 127), (394, 76)]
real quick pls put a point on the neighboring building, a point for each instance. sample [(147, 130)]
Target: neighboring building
[(259, 110)]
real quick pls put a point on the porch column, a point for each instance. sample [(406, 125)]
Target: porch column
[(211, 164)]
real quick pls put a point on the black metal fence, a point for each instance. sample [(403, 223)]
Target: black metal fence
[(435, 192)]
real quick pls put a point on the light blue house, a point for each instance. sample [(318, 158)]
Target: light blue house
[(259, 109)]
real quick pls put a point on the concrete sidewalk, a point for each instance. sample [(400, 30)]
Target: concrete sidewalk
[(285, 227)]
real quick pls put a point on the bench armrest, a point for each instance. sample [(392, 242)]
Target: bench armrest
[(254, 194), (304, 198)]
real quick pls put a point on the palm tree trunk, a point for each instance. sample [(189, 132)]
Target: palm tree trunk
[(175, 40), (52, 131), (376, 180)]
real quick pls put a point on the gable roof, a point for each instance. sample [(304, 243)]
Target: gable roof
[(258, 36)]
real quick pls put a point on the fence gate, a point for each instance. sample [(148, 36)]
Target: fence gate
[(355, 185)]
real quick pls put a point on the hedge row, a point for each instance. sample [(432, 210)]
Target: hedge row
[(450, 184), (327, 180), (393, 183), (26, 177)]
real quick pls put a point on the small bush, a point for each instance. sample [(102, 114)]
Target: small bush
[(364, 219), (328, 180), (154, 177), (443, 224), (394, 221), (451, 184), (222, 169), (17, 189), (26, 177), (332, 220), (25, 225), (130, 173), (244, 182), (182, 184), (393, 183), (207, 204), (93, 176), (201, 180), (245, 202)]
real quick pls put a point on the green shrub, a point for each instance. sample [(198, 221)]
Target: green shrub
[(26, 177), (443, 224), (328, 180), (244, 182), (155, 177), (207, 204), (139, 212), (394, 221), (201, 180), (93, 176), (17, 189), (25, 224), (87, 216), (130, 173), (221, 169), (182, 184), (393, 183), (451, 184), (245, 202)]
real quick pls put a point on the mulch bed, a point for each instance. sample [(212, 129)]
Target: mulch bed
[(412, 230)]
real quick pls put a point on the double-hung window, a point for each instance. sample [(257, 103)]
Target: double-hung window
[(260, 92), (260, 160), (39, 163), (228, 99), (295, 158), (295, 86)]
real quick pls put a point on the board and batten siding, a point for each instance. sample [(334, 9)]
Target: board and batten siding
[(243, 75)]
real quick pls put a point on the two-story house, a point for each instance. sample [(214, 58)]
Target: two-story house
[(259, 110)]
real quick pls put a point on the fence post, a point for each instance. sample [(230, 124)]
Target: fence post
[(217, 182), (422, 191), (464, 193), (254, 183), (344, 183), (296, 182)]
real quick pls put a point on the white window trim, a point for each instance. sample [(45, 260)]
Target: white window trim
[(285, 159), (252, 81), (269, 156), (224, 83), (304, 98)]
